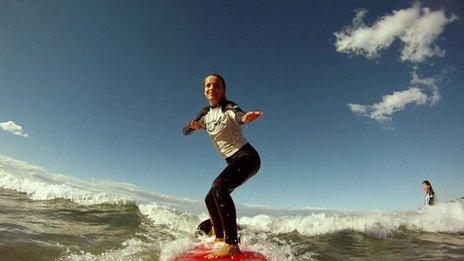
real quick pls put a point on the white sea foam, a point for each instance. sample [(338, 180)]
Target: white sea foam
[(268, 245), (131, 249), (183, 215), (259, 232), (38, 190), (40, 184), (176, 222), (136, 249), (176, 248), (445, 217), (178, 217), (258, 242)]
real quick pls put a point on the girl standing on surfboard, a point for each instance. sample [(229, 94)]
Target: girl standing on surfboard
[(223, 119)]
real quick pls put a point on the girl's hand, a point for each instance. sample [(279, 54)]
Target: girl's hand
[(194, 125), (251, 116)]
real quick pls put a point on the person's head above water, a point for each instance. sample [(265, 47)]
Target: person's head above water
[(215, 88), (427, 187)]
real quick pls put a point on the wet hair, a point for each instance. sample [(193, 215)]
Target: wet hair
[(426, 182), (218, 76)]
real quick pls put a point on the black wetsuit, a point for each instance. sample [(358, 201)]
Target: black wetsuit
[(429, 199), (223, 122), (206, 227)]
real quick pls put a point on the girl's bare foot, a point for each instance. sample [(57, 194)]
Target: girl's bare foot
[(218, 240), (226, 250)]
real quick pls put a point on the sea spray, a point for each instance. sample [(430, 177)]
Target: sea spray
[(51, 216)]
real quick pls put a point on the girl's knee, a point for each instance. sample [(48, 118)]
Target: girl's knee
[(209, 197)]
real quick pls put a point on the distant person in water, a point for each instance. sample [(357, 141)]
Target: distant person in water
[(223, 120), (430, 197)]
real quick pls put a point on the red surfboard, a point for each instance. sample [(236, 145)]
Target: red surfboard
[(201, 251)]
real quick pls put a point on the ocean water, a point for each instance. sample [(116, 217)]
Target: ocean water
[(47, 216)]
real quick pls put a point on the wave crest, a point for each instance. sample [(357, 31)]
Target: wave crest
[(446, 217)]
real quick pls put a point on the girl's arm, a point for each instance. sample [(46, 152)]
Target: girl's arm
[(195, 124), (191, 126), (251, 116)]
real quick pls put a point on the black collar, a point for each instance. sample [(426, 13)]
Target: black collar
[(223, 103)]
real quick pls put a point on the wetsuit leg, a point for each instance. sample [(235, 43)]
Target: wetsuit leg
[(241, 166), (214, 215), (204, 227)]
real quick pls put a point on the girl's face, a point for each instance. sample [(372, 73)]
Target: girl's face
[(425, 187), (214, 90)]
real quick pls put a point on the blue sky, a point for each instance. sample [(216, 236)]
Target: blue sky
[(102, 90)]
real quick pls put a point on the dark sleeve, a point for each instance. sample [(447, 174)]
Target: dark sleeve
[(431, 200), (237, 112), (186, 130)]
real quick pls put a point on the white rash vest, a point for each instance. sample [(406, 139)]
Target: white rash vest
[(223, 123)]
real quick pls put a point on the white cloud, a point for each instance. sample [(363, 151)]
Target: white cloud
[(12, 127), (430, 83), (417, 28), (420, 92)]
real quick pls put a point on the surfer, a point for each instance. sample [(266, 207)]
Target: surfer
[(222, 120), (430, 197)]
